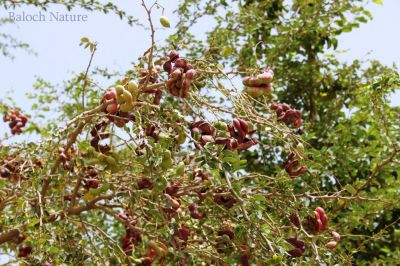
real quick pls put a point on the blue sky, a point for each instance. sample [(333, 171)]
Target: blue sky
[(59, 53)]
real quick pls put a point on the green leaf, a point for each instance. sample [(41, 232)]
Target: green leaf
[(379, 2)]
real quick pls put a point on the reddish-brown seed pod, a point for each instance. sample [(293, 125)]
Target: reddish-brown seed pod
[(246, 145), (181, 62), (167, 66), (24, 252), (297, 252), (238, 127), (336, 236), (184, 233), (173, 55), (191, 74), (244, 259), (297, 122), (176, 74), (331, 245), (205, 139), (244, 125), (174, 203), (112, 108), (157, 97), (285, 107), (295, 219)]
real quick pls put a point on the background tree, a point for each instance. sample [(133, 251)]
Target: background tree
[(168, 173)]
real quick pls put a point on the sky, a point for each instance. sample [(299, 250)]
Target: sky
[(59, 54)]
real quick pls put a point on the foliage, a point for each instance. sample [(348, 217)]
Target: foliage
[(166, 181)]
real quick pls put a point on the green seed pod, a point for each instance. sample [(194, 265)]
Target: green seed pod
[(101, 157), (220, 125), (181, 138), (133, 88), (180, 170), (167, 161), (300, 148), (163, 136), (111, 161), (165, 22)]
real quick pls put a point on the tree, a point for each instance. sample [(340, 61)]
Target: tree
[(176, 163)]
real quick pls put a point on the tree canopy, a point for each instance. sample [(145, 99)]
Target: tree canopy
[(252, 145)]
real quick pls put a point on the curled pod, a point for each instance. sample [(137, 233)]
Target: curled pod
[(181, 62), (239, 128), (244, 125), (191, 74), (110, 94), (120, 90), (184, 233), (188, 67), (246, 145), (184, 90), (176, 74), (173, 55), (157, 97), (167, 66), (266, 77), (171, 86), (112, 108), (255, 82), (297, 252), (246, 81), (205, 139)]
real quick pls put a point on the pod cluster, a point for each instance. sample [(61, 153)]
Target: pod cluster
[(292, 166), (181, 75), (287, 115), (259, 84), (16, 121)]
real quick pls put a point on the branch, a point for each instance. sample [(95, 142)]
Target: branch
[(86, 118), (10, 235), (85, 78), (89, 206)]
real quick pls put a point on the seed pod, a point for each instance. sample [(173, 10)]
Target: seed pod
[(266, 77), (167, 66), (173, 55), (336, 236), (239, 128), (245, 81), (297, 122), (297, 252), (205, 139), (190, 74), (247, 144), (165, 22), (157, 97), (111, 94), (244, 125), (295, 219), (181, 62), (176, 74), (184, 233), (331, 244), (174, 203), (256, 91), (133, 88)]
